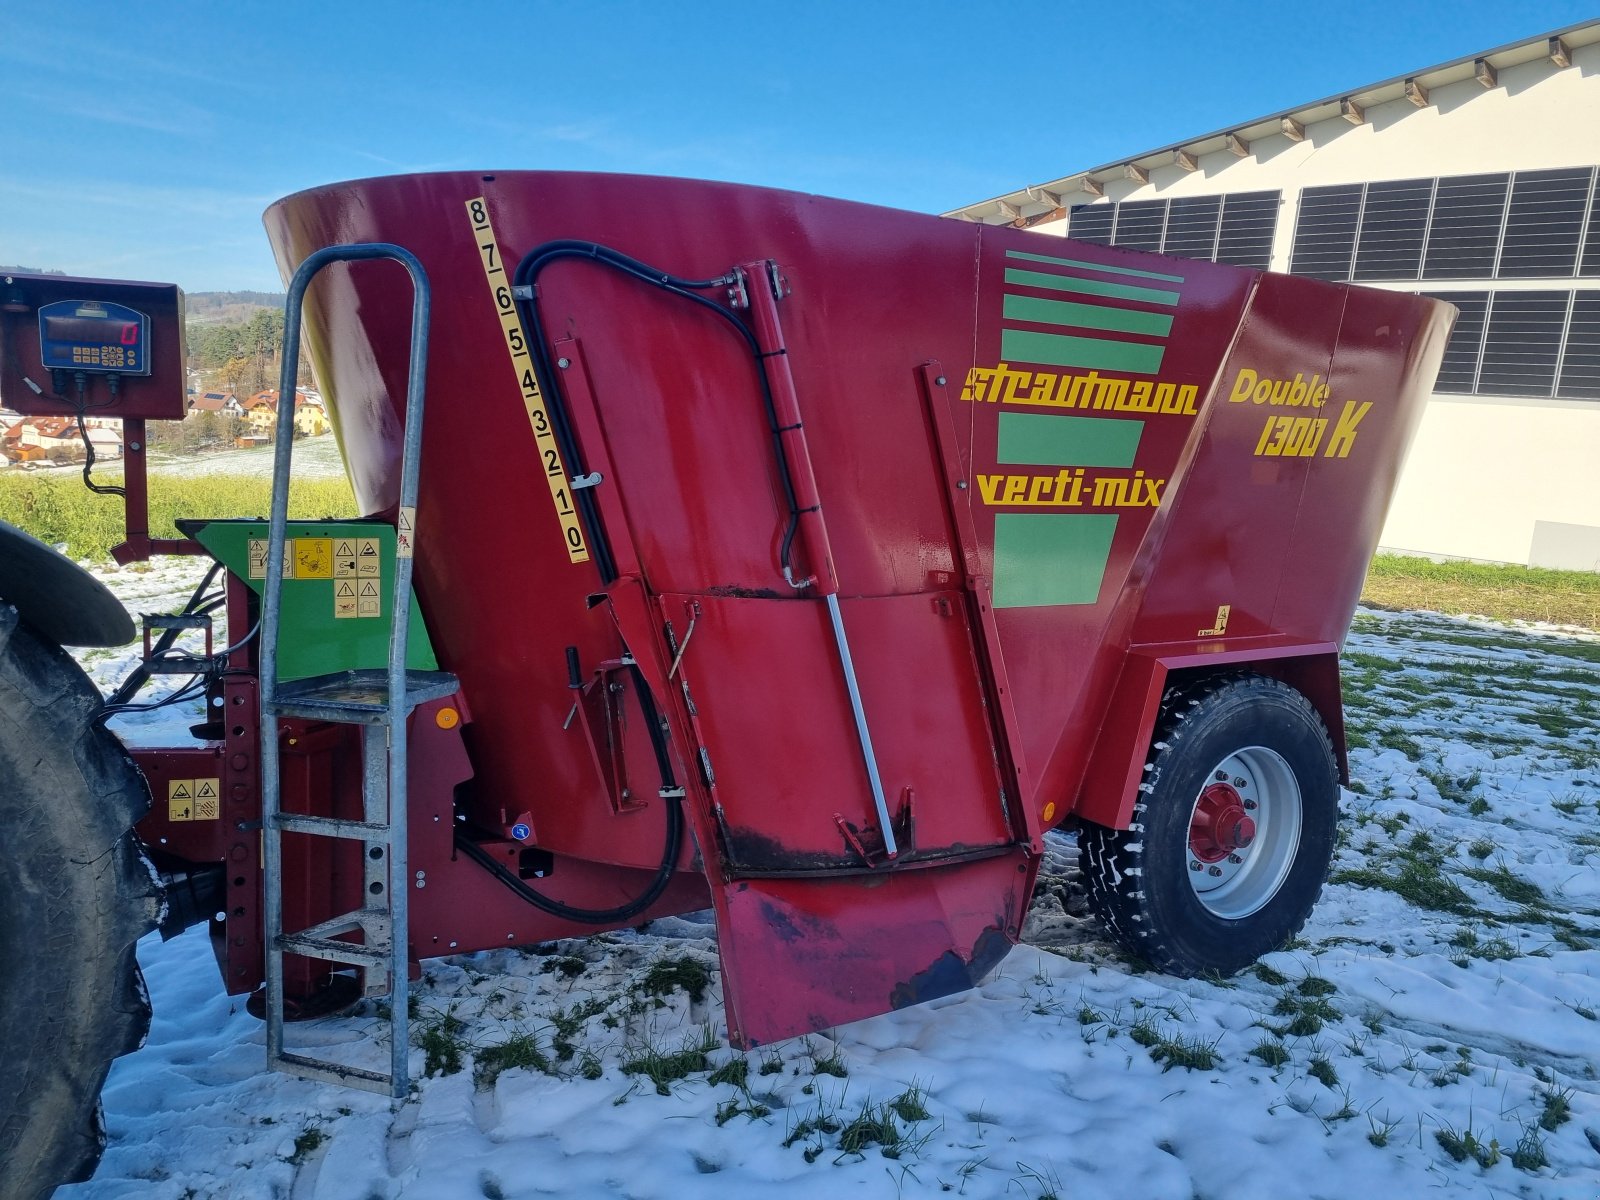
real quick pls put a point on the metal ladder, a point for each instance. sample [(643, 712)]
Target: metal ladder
[(378, 701)]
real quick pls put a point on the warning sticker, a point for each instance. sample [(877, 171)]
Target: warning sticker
[(344, 558), (344, 598), (257, 549), (368, 602), (368, 561), (207, 799), (180, 799), (405, 533), (313, 558)]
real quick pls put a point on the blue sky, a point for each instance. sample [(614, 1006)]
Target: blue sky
[(144, 140)]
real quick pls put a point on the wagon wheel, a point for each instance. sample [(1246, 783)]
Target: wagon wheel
[(75, 894), (1232, 833)]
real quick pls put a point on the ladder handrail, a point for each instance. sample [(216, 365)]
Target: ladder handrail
[(400, 614)]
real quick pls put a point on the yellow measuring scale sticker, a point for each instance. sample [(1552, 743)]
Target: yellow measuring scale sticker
[(522, 363)]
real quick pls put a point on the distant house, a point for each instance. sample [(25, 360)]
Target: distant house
[(310, 418), (218, 402), (261, 410), (35, 439)]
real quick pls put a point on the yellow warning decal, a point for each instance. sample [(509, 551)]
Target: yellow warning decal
[(313, 558), (368, 602), (368, 560), (522, 363), (1219, 625), (180, 799), (207, 799)]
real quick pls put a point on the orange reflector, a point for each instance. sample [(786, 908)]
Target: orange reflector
[(1050, 810), (447, 718)]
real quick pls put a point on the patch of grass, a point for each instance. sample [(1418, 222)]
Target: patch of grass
[(1269, 976), (57, 508), (1528, 1154), (440, 1038), (910, 1105), (1316, 985), (521, 1050), (1512, 888), (1307, 1013), (1191, 1053), (729, 1109), (663, 1068), (568, 965), (1271, 1051), (682, 973), (1419, 881), (1555, 1107), (307, 1142), (1323, 1071), (1502, 592), (1395, 738), (833, 1065), (1457, 788), (1467, 1144), (735, 1071)]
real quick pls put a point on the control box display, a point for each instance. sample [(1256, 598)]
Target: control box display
[(91, 335), (121, 340)]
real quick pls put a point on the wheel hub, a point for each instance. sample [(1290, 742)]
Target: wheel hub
[(1220, 825)]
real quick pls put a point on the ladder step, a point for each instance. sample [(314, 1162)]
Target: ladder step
[(374, 958), (357, 697), (361, 831), (374, 921), (323, 1071)]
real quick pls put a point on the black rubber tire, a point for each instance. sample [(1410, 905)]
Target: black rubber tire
[(75, 895), (1138, 879)]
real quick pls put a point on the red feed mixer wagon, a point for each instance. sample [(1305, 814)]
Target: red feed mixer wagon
[(720, 547)]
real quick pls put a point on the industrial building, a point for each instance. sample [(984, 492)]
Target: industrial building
[(1473, 181)]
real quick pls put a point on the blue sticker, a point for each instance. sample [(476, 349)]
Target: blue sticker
[(520, 831)]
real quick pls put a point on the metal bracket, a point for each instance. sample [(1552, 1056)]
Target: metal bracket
[(170, 663), (592, 479)]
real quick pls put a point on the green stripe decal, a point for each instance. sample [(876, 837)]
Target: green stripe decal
[(1089, 266), (1087, 316), (1091, 287), (1044, 440), (1050, 558), (1098, 354)]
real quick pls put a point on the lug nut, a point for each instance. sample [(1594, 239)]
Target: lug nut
[(1222, 777), (1250, 804), (1235, 859), (1213, 870), (1195, 866), (1238, 782)]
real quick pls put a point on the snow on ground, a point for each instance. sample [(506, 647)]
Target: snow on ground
[(1434, 1029)]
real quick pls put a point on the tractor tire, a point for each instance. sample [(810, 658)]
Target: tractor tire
[(1232, 832), (75, 895)]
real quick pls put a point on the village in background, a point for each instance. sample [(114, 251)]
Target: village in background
[(234, 342)]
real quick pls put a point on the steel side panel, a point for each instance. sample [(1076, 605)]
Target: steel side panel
[(769, 693), (798, 956)]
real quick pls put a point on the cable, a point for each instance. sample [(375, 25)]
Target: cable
[(587, 916), (526, 275), (197, 604)]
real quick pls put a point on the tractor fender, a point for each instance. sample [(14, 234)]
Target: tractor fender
[(1111, 782), (58, 598)]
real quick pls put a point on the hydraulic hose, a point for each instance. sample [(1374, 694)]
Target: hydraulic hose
[(525, 277)]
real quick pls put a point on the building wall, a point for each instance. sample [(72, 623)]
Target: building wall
[(1485, 474)]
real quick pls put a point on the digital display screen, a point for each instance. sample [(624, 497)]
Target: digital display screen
[(78, 335)]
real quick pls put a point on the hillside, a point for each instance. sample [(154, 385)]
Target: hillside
[(227, 308)]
